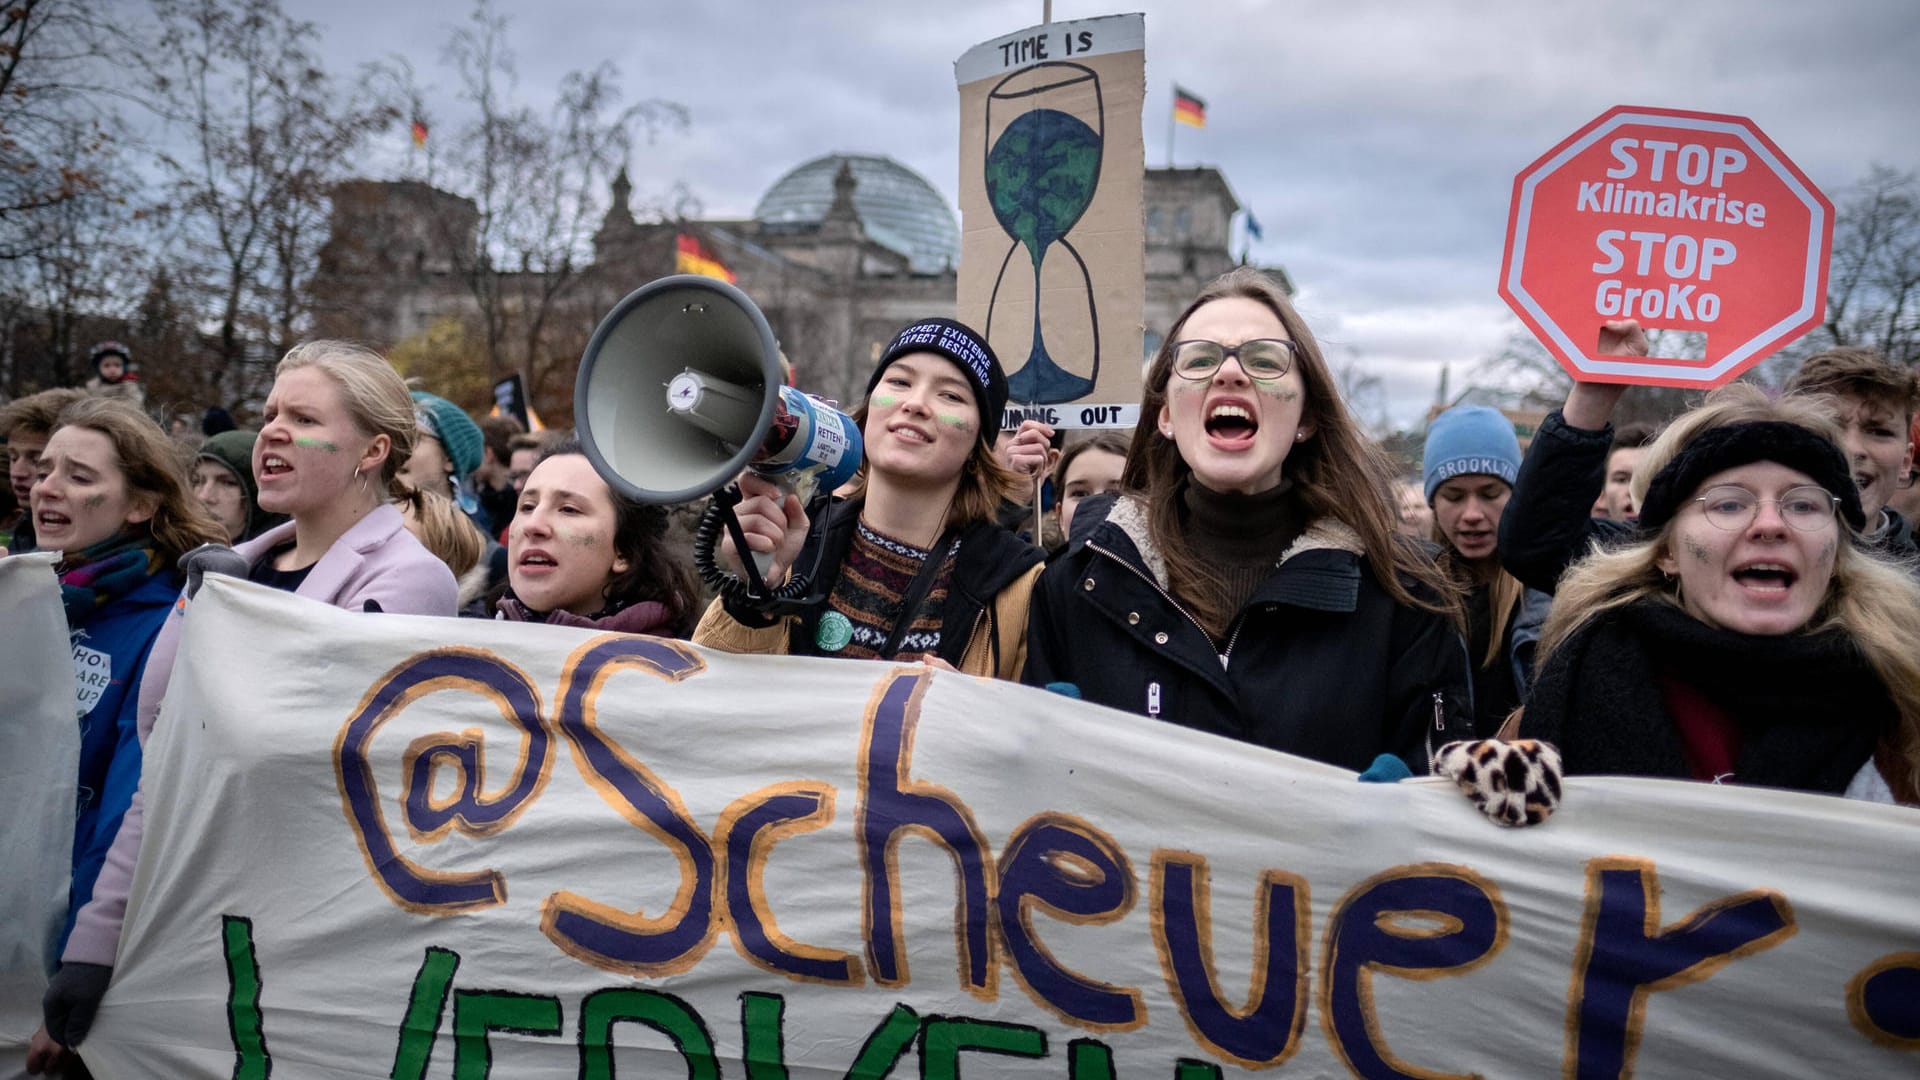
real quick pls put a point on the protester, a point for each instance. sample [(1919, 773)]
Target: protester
[(216, 421), (1251, 582), (1876, 400), (26, 424), (113, 374), (338, 428), (449, 449), (1472, 457), (1744, 636), (912, 563), (223, 482), (1416, 517), (108, 496), (1623, 456), (523, 453), (1091, 466), (1547, 524), (581, 554), (493, 479)]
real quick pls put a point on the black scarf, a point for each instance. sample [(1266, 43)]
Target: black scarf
[(1809, 707)]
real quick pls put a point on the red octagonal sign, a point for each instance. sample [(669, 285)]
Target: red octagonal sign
[(1685, 221)]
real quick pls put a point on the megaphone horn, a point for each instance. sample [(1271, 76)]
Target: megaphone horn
[(681, 389)]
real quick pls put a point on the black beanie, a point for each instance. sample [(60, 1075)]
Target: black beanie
[(969, 351), (1733, 445)]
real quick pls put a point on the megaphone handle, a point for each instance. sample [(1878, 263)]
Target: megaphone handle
[(757, 567)]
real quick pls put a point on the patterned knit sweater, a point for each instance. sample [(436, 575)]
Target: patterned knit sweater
[(871, 593)]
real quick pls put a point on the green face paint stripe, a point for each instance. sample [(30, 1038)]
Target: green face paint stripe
[(307, 443), (885, 400), (954, 421)]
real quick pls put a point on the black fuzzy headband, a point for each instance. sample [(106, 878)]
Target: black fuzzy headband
[(1742, 444)]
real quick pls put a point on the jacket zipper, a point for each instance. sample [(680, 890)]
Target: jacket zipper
[(1168, 597)]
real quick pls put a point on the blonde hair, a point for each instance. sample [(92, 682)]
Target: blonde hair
[(1339, 473), (1872, 600), (376, 398), (154, 465), (446, 531)]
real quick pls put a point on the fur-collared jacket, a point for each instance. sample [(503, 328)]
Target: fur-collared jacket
[(1320, 661)]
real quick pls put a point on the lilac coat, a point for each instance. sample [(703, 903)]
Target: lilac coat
[(378, 560)]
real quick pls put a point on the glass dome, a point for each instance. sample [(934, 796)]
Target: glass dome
[(897, 206)]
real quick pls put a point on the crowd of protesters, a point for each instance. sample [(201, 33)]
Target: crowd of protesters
[(1731, 600)]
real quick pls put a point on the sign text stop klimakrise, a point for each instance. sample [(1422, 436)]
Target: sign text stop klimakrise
[(1683, 221)]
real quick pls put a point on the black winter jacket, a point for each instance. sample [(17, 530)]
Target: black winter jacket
[(1320, 662), (1548, 526)]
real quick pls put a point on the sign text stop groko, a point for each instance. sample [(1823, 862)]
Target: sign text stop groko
[(1685, 221)]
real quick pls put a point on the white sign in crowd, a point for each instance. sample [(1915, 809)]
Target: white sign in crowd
[(382, 845)]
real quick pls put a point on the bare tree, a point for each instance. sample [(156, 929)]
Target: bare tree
[(536, 182), (1873, 284), (57, 124), (267, 131)]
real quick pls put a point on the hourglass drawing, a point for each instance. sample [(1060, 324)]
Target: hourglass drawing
[(1041, 171)]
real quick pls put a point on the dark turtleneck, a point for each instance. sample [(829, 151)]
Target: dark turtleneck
[(1241, 537)]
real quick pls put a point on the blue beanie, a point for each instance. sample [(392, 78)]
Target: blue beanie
[(1470, 440)]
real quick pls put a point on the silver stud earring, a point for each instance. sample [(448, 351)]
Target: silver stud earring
[(1299, 436)]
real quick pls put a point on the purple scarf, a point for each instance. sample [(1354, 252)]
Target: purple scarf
[(94, 577), (645, 617)]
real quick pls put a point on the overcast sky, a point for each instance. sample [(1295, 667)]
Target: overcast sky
[(1376, 143)]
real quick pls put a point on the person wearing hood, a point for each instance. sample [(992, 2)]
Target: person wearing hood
[(113, 374), (223, 482)]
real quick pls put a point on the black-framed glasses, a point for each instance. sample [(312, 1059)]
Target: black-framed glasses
[(1806, 508), (1261, 358)]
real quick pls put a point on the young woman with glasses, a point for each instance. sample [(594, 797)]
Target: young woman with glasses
[(1747, 637), (1250, 580)]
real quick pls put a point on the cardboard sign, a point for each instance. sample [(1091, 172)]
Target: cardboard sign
[(1052, 249), (461, 848), (1686, 221)]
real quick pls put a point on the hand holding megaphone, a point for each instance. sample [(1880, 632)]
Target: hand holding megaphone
[(775, 524)]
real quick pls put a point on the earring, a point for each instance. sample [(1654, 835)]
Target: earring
[(1299, 436), (362, 478)]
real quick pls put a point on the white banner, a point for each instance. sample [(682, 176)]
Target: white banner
[(39, 771), (380, 845)]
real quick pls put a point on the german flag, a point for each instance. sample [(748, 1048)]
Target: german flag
[(693, 257), (1188, 109)]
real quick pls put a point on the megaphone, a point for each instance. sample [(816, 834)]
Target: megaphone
[(681, 389)]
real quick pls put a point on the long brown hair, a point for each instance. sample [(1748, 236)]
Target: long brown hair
[(1339, 473), (154, 465)]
